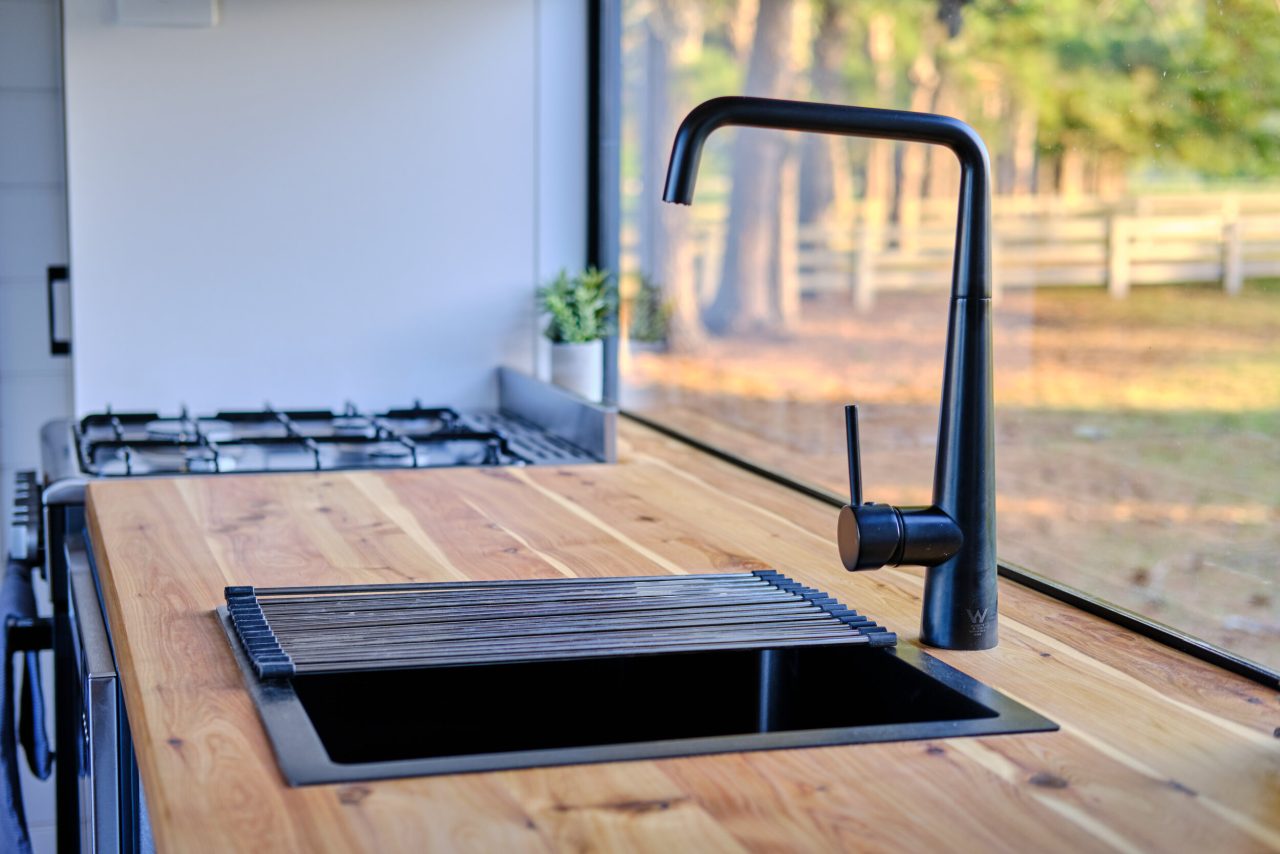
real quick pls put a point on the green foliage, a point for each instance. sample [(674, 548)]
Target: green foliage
[(1183, 88), (1183, 83), (581, 306), (650, 313)]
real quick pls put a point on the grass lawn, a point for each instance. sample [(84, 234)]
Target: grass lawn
[(1138, 440)]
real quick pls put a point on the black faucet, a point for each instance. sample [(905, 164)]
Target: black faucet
[(955, 538)]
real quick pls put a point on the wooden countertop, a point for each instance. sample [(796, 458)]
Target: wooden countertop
[(1157, 751)]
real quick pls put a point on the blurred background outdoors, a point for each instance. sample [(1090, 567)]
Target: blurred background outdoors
[(1136, 157)]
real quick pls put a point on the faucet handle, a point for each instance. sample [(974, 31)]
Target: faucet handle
[(874, 535), (854, 453), (868, 534)]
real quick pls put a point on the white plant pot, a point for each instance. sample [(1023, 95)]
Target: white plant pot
[(579, 368)]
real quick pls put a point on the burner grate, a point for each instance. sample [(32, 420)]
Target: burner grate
[(139, 443)]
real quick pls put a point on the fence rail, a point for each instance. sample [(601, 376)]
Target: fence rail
[(1038, 241)]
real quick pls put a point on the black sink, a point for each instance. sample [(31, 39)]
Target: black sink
[(445, 720)]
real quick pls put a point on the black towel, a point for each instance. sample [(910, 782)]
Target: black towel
[(18, 601)]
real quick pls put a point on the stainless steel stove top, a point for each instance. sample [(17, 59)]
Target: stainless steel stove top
[(141, 443), (534, 424)]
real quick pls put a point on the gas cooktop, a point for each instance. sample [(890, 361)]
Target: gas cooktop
[(124, 444), (532, 423)]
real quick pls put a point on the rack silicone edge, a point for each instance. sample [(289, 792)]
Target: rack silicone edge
[(260, 644)]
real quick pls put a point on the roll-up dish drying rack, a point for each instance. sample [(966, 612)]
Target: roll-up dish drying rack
[(295, 631)]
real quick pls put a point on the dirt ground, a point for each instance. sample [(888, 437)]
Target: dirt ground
[(1138, 441)]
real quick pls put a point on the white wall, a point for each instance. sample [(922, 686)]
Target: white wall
[(319, 200), (34, 385)]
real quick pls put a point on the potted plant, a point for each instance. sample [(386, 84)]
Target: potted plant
[(581, 311), (649, 321)]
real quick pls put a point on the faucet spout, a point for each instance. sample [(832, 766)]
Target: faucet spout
[(955, 537)]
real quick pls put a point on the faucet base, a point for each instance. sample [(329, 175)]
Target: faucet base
[(959, 607)]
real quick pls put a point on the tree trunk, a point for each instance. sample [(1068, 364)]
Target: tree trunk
[(1071, 168), (1091, 173), (911, 181), (994, 107), (742, 27), (786, 263), (880, 172), (1046, 174), (1023, 145), (944, 171), (666, 252), (826, 175), (1112, 176), (746, 300)]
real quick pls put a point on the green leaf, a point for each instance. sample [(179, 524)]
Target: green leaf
[(581, 306)]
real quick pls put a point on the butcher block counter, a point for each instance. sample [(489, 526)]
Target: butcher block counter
[(1157, 751)]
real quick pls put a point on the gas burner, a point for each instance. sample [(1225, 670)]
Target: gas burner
[(354, 426), (200, 463), (487, 452), (187, 431), (388, 451), (127, 460), (451, 428), (376, 451)]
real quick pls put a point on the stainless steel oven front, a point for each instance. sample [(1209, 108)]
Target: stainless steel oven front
[(99, 711)]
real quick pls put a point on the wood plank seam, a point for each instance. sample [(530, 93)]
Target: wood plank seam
[(585, 514), (1010, 773), (378, 492), (552, 561)]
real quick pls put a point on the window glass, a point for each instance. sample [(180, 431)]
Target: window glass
[(1136, 170)]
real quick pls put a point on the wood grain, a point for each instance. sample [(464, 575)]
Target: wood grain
[(1157, 751)]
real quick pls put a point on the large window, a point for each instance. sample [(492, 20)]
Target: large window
[(1136, 158)]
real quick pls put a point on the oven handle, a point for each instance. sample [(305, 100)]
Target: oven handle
[(87, 611)]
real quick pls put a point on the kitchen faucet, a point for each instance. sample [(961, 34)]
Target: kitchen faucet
[(955, 537)]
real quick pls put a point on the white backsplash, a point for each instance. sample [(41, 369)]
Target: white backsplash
[(315, 201)]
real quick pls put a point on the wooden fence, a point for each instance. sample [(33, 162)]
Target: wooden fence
[(1038, 241)]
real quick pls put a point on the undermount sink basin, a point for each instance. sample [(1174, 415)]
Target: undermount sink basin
[(445, 720)]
